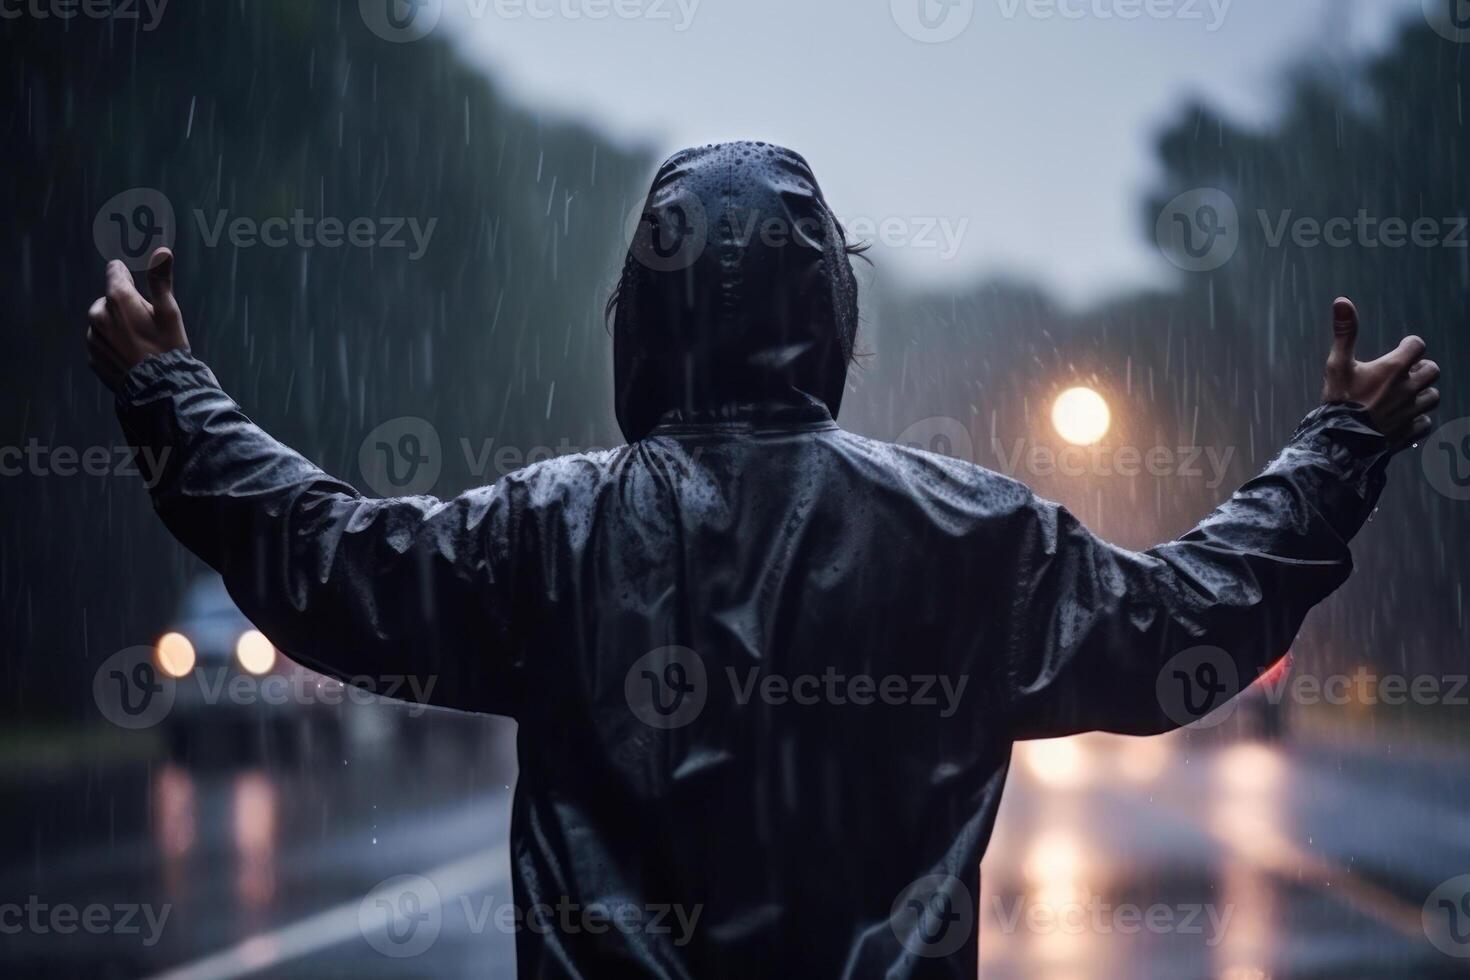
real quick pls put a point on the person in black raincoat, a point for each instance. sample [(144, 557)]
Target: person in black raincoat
[(767, 673)]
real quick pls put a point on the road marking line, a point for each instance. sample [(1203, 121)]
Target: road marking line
[(337, 924)]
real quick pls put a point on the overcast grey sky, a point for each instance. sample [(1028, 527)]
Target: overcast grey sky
[(1022, 144)]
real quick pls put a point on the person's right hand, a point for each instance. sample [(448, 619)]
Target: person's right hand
[(1396, 388), (123, 328)]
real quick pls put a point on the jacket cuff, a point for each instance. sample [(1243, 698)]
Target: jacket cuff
[(1356, 457), (162, 376), (148, 408)]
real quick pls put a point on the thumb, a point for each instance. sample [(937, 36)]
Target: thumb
[(1344, 331), (161, 284)]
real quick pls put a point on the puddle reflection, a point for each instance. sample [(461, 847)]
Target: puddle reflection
[(255, 821)]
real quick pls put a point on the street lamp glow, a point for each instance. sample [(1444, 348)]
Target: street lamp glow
[(1081, 416)]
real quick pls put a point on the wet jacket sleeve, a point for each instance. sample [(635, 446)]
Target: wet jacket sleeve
[(370, 591), (1144, 642)]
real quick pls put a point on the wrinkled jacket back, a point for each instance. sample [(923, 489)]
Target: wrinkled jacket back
[(755, 694)]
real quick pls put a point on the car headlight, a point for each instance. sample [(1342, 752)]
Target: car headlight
[(174, 654), (255, 653)]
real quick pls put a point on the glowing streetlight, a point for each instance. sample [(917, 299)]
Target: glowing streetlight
[(1081, 416)]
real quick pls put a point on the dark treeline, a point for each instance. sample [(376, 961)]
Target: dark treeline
[(259, 110), (1231, 360)]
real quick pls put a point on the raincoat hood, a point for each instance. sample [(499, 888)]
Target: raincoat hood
[(737, 293)]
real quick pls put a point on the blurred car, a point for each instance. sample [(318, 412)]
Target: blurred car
[(237, 697), (235, 694)]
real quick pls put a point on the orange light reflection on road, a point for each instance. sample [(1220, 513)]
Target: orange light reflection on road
[(1061, 763), (1141, 760), (1250, 778), (255, 839)]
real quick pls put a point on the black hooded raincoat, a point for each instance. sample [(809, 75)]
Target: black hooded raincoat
[(765, 670)]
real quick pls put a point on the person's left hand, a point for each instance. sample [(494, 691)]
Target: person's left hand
[(1397, 389), (124, 328)]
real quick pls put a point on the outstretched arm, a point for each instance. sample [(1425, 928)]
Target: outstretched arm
[(370, 591), (1143, 642)]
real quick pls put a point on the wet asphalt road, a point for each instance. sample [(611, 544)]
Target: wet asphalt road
[(1187, 856)]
